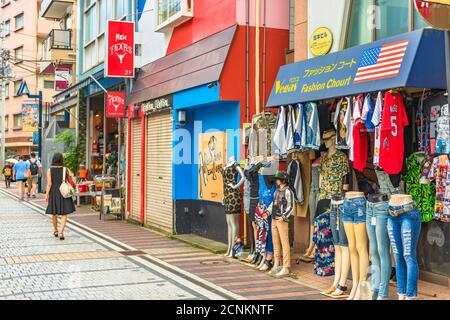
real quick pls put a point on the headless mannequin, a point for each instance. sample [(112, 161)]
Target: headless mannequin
[(309, 254), (232, 219), (400, 200), (358, 246), (341, 254)]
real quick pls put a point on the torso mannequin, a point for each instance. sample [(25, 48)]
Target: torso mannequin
[(354, 194), (400, 199)]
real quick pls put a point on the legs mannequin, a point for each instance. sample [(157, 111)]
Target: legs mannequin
[(354, 217), (233, 231)]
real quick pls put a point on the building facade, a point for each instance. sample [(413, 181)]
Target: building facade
[(24, 31)]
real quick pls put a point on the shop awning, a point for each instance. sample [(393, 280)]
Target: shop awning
[(65, 104), (410, 60), (198, 64)]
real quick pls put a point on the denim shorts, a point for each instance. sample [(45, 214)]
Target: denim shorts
[(337, 225), (354, 210)]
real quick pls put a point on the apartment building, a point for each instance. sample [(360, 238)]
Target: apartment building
[(24, 31)]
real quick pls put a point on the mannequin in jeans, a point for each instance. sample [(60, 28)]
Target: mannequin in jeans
[(341, 253), (356, 232), (404, 223)]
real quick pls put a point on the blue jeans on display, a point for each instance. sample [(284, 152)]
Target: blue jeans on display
[(376, 224), (269, 242), (337, 225), (404, 233), (355, 210)]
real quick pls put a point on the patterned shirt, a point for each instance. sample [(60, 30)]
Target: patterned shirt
[(324, 248), (332, 172), (440, 171)]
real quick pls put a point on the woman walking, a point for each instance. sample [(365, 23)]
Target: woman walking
[(21, 173), (57, 205)]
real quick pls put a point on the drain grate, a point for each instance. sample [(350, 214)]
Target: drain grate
[(132, 253), (214, 263)]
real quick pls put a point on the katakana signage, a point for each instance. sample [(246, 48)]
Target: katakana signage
[(120, 49)]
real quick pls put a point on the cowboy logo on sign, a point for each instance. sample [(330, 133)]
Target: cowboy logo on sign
[(115, 104), (120, 54)]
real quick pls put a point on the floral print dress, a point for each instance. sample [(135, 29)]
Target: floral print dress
[(324, 248)]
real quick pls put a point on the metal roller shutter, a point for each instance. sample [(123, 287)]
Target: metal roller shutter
[(136, 156), (159, 203)]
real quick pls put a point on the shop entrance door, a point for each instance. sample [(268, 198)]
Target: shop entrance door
[(136, 156), (159, 203)]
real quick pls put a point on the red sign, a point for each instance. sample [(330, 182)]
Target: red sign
[(115, 104), (120, 49), (131, 111)]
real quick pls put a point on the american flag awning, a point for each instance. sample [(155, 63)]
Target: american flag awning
[(411, 60)]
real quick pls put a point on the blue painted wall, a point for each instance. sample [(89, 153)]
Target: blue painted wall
[(202, 104)]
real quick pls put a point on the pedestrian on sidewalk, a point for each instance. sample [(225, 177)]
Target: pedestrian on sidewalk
[(21, 171), (57, 205), (36, 172), (7, 172)]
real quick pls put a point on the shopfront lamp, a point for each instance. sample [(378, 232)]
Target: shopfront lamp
[(182, 119)]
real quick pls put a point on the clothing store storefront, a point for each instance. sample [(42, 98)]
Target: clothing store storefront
[(179, 104), (380, 107)]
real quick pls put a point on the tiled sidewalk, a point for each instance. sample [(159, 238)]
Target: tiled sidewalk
[(226, 273)]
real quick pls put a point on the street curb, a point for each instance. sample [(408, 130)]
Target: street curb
[(204, 284)]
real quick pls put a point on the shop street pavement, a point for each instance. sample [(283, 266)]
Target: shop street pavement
[(36, 265)]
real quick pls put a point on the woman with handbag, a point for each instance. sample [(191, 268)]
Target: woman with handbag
[(21, 172), (59, 192)]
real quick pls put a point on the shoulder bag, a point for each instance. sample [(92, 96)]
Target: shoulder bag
[(65, 188)]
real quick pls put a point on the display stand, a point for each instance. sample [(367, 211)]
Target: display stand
[(108, 191)]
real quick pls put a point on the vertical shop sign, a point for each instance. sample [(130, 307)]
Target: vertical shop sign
[(62, 77), (30, 117), (131, 111), (115, 104), (211, 160), (120, 49)]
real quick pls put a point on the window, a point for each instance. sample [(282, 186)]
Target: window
[(5, 2), (18, 55), (119, 9), (16, 86), (102, 16), (49, 84), (6, 90), (6, 27), (167, 9), (17, 121), (372, 20), (171, 13), (6, 123), (90, 29), (19, 21)]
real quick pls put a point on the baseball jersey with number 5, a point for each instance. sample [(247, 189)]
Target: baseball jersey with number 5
[(393, 122)]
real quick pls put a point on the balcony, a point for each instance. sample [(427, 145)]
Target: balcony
[(56, 49), (55, 9), (172, 13)]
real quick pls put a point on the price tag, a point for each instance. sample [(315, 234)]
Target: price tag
[(374, 221)]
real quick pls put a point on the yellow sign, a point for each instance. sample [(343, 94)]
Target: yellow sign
[(321, 41), (439, 1), (212, 159)]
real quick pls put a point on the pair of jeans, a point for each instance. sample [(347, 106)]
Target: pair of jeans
[(269, 244), (337, 224), (404, 233), (280, 236), (385, 183), (354, 210), (314, 193), (376, 224)]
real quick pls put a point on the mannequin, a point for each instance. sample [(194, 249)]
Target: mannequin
[(250, 237), (404, 223), (334, 167), (232, 200), (354, 218)]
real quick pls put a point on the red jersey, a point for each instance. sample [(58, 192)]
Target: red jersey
[(393, 122), (360, 141)]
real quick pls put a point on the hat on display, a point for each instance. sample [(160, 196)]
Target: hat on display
[(281, 175), (329, 134)]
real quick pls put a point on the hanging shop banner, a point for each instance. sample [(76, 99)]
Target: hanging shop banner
[(120, 49), (62, 79), (30, 117), (157, 105), (115, 104), (211, 160), (131, 111), (412, 60)]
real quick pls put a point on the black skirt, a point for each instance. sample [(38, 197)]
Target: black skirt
[(57, 204)]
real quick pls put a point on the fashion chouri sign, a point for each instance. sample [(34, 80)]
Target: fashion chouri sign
[(120, 49), (115, 104), (156, 105)]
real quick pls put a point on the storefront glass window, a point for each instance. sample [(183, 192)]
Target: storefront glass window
[(391, 18), (90, 25), (167, 9), (360, 27)]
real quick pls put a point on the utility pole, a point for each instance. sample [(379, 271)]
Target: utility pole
[(5, 74)]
